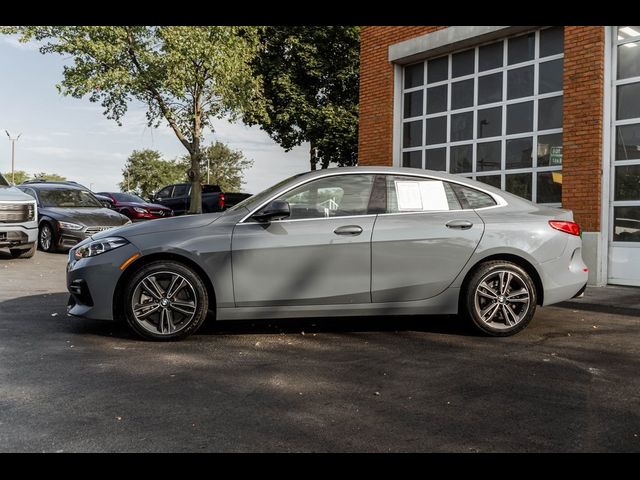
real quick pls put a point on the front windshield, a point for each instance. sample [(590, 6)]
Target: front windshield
[(263, 195), (127, 197), (3, 181), (73, 197)]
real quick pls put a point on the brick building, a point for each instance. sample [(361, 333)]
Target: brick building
[(549, 113)]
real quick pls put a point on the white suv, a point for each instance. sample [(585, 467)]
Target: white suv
[(18, 221)]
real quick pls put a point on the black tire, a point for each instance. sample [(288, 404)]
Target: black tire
[(507, 314), (24, 252), (47, 246), (162, 272)]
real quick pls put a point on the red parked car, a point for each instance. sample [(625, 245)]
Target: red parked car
[(135, 207)]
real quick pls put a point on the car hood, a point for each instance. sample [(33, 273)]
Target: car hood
[(163, 225), (12, 194), (103, 217)]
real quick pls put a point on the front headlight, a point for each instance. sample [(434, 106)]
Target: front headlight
[(70, 226), (140, 210), (31, 212), (97, 247)]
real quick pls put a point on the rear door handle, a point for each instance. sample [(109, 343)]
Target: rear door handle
[(459, 224), (348, 230)]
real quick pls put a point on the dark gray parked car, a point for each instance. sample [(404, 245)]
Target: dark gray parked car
[(349, 241)]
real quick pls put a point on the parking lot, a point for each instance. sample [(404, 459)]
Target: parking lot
[(569, 382)]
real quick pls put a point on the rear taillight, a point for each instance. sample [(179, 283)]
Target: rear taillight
[(221, 201), (572, 228)]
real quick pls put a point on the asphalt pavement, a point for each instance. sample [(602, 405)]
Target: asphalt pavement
[(567, 383)]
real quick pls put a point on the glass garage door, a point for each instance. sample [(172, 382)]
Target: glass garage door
[(624, 232)]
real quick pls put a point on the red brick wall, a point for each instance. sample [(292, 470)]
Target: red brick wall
[(583, 106), (582, 123)]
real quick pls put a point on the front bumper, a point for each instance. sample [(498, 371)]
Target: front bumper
[(17, 235), (92, 282), (69, 238)]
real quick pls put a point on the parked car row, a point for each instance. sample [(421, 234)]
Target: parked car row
[(56, 215)]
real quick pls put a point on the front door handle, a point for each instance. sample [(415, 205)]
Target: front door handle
[(348, 230), (459, 224)]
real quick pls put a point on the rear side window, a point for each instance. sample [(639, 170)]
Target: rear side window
[(180, 190), (472, 198), (414, 194), (211, 189)]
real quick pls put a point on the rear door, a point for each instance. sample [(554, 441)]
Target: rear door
[(422, 241), (179, 201)]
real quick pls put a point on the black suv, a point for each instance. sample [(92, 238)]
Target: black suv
[(68, 213)]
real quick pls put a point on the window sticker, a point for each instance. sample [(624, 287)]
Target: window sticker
[(421, 196), (409, 196), (434, 196)]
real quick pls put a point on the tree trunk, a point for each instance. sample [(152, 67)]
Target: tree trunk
[(196, 189), (312, 157)]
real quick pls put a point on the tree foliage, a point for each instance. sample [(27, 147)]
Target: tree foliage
[(52, 177), (20, 176), (225, 166), (184, 75), (310, 80), (145, 172)]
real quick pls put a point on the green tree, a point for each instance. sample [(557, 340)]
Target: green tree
[(310, 80), (20, 176), (145, 172), (223, 166), (52, 177), (184, 75)]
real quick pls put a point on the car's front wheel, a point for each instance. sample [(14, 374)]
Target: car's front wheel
[(500, 298), (165, 300), (47, 238)]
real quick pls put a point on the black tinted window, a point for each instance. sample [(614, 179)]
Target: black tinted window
[(165, 192), (472, 198), (3, 181), (180, 190), (210, 189)]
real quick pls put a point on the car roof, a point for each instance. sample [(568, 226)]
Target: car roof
[(53, 186)]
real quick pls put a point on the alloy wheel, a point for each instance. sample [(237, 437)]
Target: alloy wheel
[(45, 237), (502, 299)]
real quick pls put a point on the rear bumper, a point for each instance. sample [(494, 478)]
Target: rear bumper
[(564, 277)]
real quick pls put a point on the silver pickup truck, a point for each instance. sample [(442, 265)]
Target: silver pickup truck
[(18, 221)]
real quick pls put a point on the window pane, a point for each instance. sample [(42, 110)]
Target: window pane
[(437, 99), (490, 122), (436, 159), (628, 142), (412, 159), (461, 126), (412, 134), (519, 184), (462, 94), (460, 159), (549, 187), (414, 75), (490, 56), (550, 113), (519, 152), (520, 49), (550, 76), (473, 198), (462, 63), (627, 183), (436, 130), (626, 224), (629, 101), (438, 69), (413, 104), (628, 32), (520, 117), (520, 82), (629, 60), (490, 88), (550, 150), (488, 156), (336, 196), (493, 180), (551, 41)]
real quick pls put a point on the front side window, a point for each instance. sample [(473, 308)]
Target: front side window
[(165, 192), (335, 196), (494, 113)]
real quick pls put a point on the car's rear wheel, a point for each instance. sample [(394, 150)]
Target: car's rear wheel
[(165, 300), (47, 238), (24, 252), (500, 298)]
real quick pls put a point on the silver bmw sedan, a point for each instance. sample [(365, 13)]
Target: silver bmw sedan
[(336, 242)]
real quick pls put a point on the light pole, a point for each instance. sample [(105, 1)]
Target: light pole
[(13, 154)]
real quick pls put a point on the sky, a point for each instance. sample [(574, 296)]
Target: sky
[(71, 137)]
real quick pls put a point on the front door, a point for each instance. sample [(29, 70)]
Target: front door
[(423, 241), (320, 255)]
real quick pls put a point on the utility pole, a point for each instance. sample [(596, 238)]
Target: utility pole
[(13, 155)]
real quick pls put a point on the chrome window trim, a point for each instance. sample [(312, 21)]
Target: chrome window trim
[(500, 202)]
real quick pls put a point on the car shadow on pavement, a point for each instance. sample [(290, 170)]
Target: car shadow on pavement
[(47, 312)]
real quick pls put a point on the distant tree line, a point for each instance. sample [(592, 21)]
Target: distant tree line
[(22, 176)]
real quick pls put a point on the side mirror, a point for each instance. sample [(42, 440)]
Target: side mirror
[(107, 204), (276, 210)]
